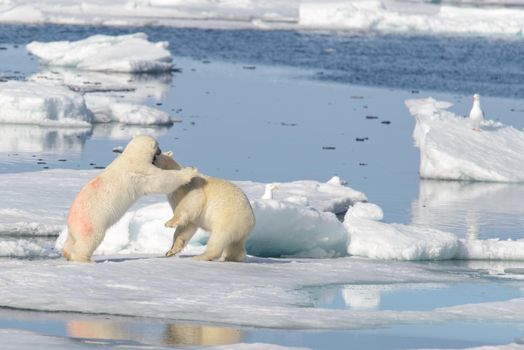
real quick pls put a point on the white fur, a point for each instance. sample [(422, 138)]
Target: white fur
[(215, 205), (108, 196)]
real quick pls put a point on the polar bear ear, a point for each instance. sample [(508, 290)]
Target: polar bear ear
[(169, 153)]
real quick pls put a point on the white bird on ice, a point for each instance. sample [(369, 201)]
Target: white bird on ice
[(268, 193), (476, 115)]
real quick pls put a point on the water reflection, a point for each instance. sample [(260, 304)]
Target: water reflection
[(201, 335), (427, 7), (39, 139), (411, 296), (471, 210), (117, 131), (153, 333), (361, 297), (133, 87)]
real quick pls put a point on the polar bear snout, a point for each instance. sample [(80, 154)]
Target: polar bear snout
[(157, 153)]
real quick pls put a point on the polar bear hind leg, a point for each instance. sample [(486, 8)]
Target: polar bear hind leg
[(236, 251), (82, 247), (215, 246), (68, 246), (181, 236)]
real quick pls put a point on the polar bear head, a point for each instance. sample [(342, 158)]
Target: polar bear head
[(165, 161), (142, 148)]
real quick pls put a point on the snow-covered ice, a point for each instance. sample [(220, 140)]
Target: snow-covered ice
[(122, 53), (192, 284), (33, 206), (331, 196), (180, 288), (42, 104), (365, 210), (114, 97), (396, 16), (282, 229), (450, 148), (62, 99), (287, 229), (361, 15), (378, 240)]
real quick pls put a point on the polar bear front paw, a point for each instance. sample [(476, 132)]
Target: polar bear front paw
[(189, 172), (170, 253), (173, 222)]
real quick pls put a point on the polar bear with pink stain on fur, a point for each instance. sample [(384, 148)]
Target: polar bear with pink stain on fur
[(106, 198)]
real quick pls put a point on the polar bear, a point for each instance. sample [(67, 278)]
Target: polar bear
[(215, 205), (107, 197)]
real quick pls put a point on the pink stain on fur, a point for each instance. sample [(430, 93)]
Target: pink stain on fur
[(78, 219), (95, 183)]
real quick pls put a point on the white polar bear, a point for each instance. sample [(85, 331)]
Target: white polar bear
[(215, 205), (107, 197)]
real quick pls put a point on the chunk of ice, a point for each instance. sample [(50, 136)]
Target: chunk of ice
[(121, 53)]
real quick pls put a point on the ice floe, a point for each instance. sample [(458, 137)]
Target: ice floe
[(63, 98), (114, 97), (23, 249), (180, 288), (378, 240), (390, 16), (283, 229), (450, 148), (33, 206), (42, 104), (287, 229), (365, 210), (32, 203), (511, 346), (331, 196), (122, 53), (421, 17)]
